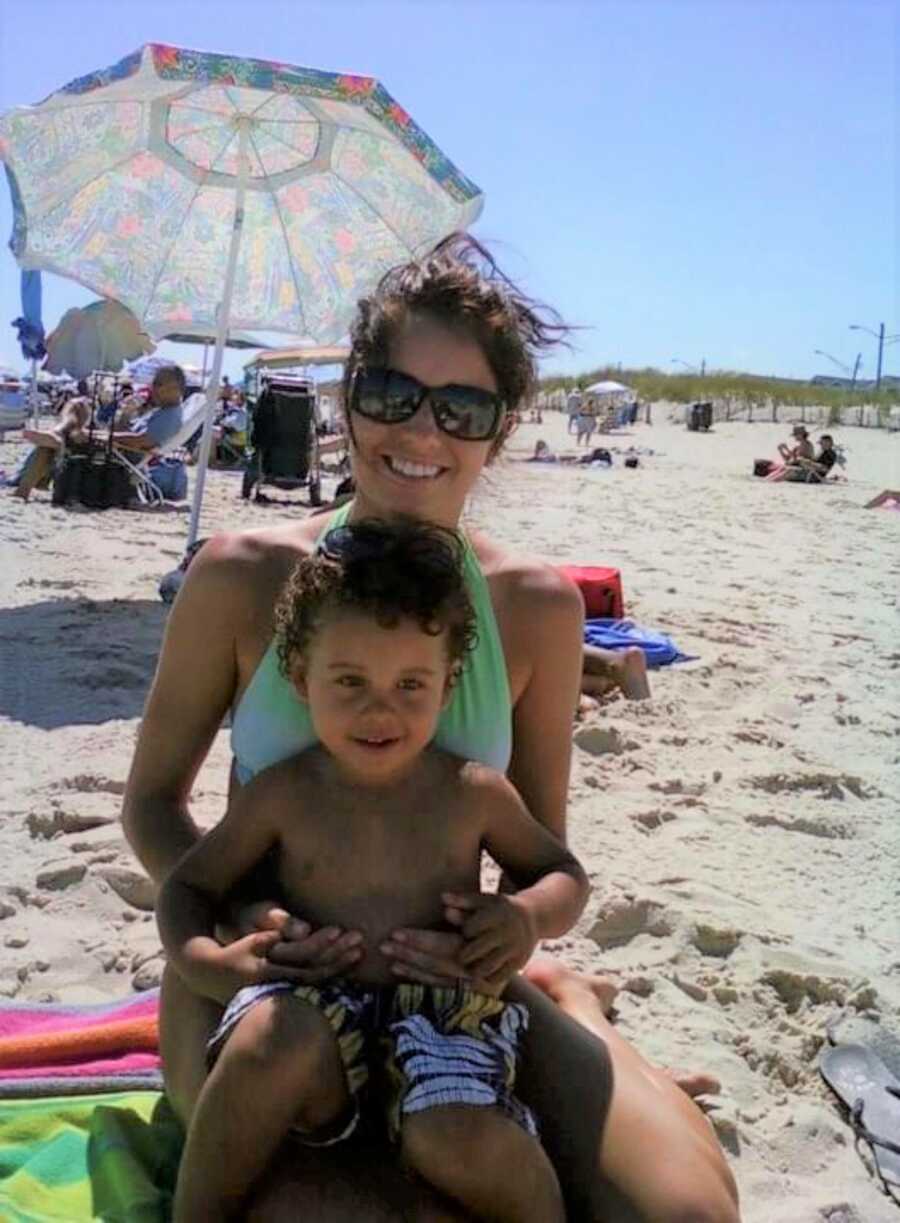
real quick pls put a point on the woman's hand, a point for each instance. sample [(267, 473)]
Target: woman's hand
[(499, 933), (299, 953), (430, 957)]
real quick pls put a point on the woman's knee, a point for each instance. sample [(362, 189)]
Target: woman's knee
[(186, 1023)]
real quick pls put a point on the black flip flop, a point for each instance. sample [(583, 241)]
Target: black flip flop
[(871, 1096)]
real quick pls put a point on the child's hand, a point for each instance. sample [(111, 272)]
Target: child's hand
[(499, 931)]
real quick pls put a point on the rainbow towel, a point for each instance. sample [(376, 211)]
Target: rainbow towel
[(58, 1049), (112, 1157)]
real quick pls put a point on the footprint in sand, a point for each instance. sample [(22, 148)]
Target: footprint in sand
[(675, 785), (90, 783), (715, 941), (621, 920), (650, 821), (830, 830), (603, 741), (823, 785)]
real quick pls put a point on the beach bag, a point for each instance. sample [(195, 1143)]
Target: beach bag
[(762, 467), (632, 461), (92, 479), (601, 589), (170, 477)]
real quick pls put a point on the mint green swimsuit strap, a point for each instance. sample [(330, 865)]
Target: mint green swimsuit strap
[(271, 723)]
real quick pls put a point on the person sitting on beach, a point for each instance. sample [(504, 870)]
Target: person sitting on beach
[(371, 631), (801, 449), (230, 430), (542, 453), (161, 417), (36, 467), (443, 351), (808, 470)]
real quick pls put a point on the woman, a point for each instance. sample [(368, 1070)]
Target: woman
[(442, 355)]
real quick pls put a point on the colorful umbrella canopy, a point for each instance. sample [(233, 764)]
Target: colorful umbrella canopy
[(216, 192), (129, 180), (101, 336)]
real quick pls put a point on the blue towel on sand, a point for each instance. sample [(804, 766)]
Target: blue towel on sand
[(659, 650)]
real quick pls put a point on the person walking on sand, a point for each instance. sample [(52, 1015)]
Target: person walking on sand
[(573, 408)]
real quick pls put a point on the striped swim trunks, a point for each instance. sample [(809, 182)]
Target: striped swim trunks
[(438, 1045)]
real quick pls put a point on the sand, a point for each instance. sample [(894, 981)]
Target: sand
[(740, 827)]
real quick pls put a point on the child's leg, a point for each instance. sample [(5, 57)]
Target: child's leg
[(485, 1161), (280, 1067)]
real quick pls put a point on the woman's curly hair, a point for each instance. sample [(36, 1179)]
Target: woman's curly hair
[(391, 571), (459, 284)]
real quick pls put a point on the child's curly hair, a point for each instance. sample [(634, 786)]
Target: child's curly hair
[(388, 570)]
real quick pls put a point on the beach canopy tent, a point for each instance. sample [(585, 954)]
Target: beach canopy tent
[(291, 358), (210, 190), (608, 388)]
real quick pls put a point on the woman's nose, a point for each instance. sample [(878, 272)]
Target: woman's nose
[(422, 421)]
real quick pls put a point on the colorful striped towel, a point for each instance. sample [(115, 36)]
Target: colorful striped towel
[(84, 1131), (61, 1049), (112, 1157)]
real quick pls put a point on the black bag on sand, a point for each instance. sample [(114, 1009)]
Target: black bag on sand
[(94, 480), (91, 477)]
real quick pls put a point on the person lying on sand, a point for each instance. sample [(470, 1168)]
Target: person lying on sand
[(889, 499), (372, 631)]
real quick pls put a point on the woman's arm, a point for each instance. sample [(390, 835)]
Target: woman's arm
[(548, 630), (193, 688)]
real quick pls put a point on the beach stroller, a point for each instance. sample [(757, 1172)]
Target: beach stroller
[(284, 439)]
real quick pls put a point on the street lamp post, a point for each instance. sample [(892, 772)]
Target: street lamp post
[(880, 337), (692, 368)]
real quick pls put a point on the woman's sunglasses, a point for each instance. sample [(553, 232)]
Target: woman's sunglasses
[(466, 412)]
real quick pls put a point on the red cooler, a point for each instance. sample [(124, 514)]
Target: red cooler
[(600, 588)]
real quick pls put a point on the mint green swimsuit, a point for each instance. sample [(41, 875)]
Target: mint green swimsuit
[(271, 723)]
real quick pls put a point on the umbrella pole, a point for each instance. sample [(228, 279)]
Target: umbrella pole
[(212, 391), (35, 398)]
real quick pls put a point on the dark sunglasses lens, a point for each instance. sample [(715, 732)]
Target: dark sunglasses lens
[(386, 396), (467, 413)]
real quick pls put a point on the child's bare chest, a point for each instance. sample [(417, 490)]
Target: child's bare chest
[(375, 871)]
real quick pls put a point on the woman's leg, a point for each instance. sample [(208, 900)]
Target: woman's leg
[(620, 1133), (607, 669)]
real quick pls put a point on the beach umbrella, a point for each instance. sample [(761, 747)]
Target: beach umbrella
[(229, 193), (608, 388), (101, 336)]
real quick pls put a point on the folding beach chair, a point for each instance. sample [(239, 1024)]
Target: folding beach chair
[(193, 411), (284, 439)]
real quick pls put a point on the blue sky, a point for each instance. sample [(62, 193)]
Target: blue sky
[(703, 180)]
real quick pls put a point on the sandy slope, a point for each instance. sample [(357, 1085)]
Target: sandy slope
[(740, 827)]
